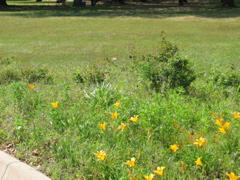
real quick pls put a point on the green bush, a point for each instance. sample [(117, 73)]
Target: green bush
[(166, 70), (230, 78), (5, 61), (94, 74), (9, 75), (90, 77), (78, 77), (36, 74)]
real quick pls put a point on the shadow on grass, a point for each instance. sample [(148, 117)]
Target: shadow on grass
[(161, 10)]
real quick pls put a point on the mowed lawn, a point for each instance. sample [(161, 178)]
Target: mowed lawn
[(210, 37)]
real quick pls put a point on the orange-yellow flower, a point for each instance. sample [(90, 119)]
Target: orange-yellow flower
[(200, 142), (114, 115), (131, 162), (101, 155), (134, 118), (236, 115), (150, 177), (226, 125), (31, 86), (174, 147), (232, 176), (219, 122), (103, 126), (55, 105), (159, 170), (222, 130), (117, 104), (199, 162), (122, 126)]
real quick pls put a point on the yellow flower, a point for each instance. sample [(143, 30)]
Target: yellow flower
[(159, 170), (222, 130), (131, 162), (117, 104), (134, 118), (55, 105), (101, 155), (174, 147), (122, 126), (232, 176), (219, 122), (31, 86), (150, 177), (236, 115), (200, 142), (226, 125), (114, 115), (199, 162), (103, 126)]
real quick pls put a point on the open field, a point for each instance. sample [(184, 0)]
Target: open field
[(63, 69)]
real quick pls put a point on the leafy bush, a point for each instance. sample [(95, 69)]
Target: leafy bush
[(91, 77), (78, 77), (166, 70), (95, 74), (6, 60), (36, 74), (230, 78), (9, 75)]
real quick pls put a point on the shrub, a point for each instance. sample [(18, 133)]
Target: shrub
[(90, 77), (166, 70), (78, 77), (9, 75), (94, 74), (230, 78), (36, 74), (5, 61)]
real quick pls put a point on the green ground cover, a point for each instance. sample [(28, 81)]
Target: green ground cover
[(63, 69)]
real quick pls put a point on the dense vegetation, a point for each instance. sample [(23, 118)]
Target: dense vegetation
[(117, 98)]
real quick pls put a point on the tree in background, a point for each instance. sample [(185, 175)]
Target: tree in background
[(229, 3), (77, 3), (3, 3)]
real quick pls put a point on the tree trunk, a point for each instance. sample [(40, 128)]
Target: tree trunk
[(77, 3), (121, 1), (180, 2), (3, 2), (229, 3)]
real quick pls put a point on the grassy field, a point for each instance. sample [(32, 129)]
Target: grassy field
[(79, 98)]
